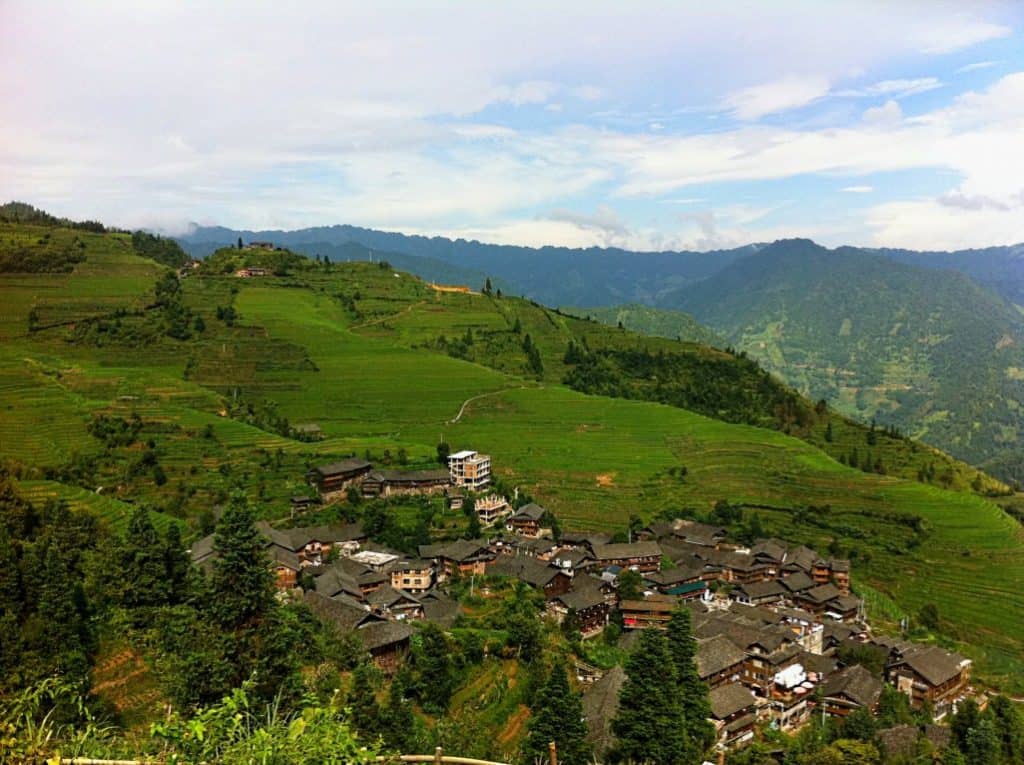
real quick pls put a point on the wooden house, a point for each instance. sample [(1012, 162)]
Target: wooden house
[(851, 688), (387, 483), (733, 713), (526, 520), (333, 478), (639, 556), (654, 611), (588, 606), (719, 661), (930, 673)]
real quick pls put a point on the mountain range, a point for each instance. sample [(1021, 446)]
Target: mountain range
[(929, 342)]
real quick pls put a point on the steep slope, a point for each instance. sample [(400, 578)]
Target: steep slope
[(552, 275), (353, 347), (930, 351), (998, 268), (646, 320)]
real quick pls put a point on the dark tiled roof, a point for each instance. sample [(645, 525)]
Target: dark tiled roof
[(729, 699), (529, 570), (898, 741), (409, 476), (344, 616), (758, 590), (798, 582), (387, 596), (459, 550), (581, 599), (622, 550), (821, 594), (855, 683), (442, 611), (600, 705), (933, 663), (716, 654), (342, 467), (382, 634), (530, 512)]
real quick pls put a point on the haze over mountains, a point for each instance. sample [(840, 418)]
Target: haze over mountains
[(928, 341)]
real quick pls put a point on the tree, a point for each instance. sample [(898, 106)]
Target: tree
[(362, 700), (177, 565), (693, 692), (929, 616), (982, 744), (239, 242), (629, 585), (473, 527), (828, 432), (860, 725), (397, 722), (432, 662), (143, 568), (524, 635), (242, 584), (1009, 724), (647, 724), (443, 450), (966, 717), (556, 714), (487, 286)]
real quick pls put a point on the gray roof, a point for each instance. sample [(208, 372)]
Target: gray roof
[(530, 512), (530, 570), (758, 590), (343, 615), (409, 476), (583, 598), (342, 467), (387, 596), (600, 706), (459, 550), (801, 558), (441, 610), (933, 663), (382, 634), (798, 582), (729, 699), (716, 654), (855, 683), (622, 550), (823, 593)]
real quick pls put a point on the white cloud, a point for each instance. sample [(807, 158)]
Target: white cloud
[(858, 189), (779, 95), (953, 34), (898, 88), (888, 114), (975, 66)]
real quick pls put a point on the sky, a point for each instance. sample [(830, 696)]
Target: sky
[(645, 125)]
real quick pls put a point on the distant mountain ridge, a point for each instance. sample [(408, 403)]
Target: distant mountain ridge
[(928, 341), (933, 352)]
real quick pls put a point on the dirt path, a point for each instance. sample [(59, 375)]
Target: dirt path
[(471, 399), (390, 316)]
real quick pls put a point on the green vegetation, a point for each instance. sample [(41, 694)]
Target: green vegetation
[(89, 416), (928, 351), (652, 321)]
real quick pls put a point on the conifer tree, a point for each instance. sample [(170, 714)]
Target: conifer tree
[(693, 692), (176, 564), (397, 722), (982, 745), (143, 570), (556, 714), (647, 724), (362, 701), (241, 585), (435, 674)]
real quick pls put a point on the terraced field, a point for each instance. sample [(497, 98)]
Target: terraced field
[(369, 372)]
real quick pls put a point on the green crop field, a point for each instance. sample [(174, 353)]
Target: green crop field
[(355, 349)]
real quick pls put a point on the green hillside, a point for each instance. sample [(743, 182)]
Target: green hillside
[(646, 320), (169, 394), (929, 351)]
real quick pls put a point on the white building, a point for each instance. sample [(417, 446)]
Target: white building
[(470, 469)]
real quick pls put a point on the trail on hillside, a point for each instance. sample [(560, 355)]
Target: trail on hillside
[(471, 399), (382, 319)]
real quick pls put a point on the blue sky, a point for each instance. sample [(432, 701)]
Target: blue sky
[(648, 125)]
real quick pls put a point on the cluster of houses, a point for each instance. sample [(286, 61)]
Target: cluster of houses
[(770, 619), (468, 471)]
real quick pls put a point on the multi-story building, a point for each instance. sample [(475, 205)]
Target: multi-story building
[(470, 469)]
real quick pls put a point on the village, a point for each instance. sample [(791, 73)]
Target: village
[(772, 620)]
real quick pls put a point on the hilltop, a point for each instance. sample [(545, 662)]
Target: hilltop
[(217, 368), (931, 352)]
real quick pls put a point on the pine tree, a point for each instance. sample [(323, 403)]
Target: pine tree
[(982, 745), (647, 724), (693, 692), (828, 432), (556, 714), (242, 584), (397, 722), (435, 675), (176, 564), (966, 717), (143, 569), (362, 701)]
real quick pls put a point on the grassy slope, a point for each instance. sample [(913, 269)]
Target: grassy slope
[(594, 460), (653, 321)]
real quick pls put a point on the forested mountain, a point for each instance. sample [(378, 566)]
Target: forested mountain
[(659, 322), (552, 275), (1000, 268), (928, 350)]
